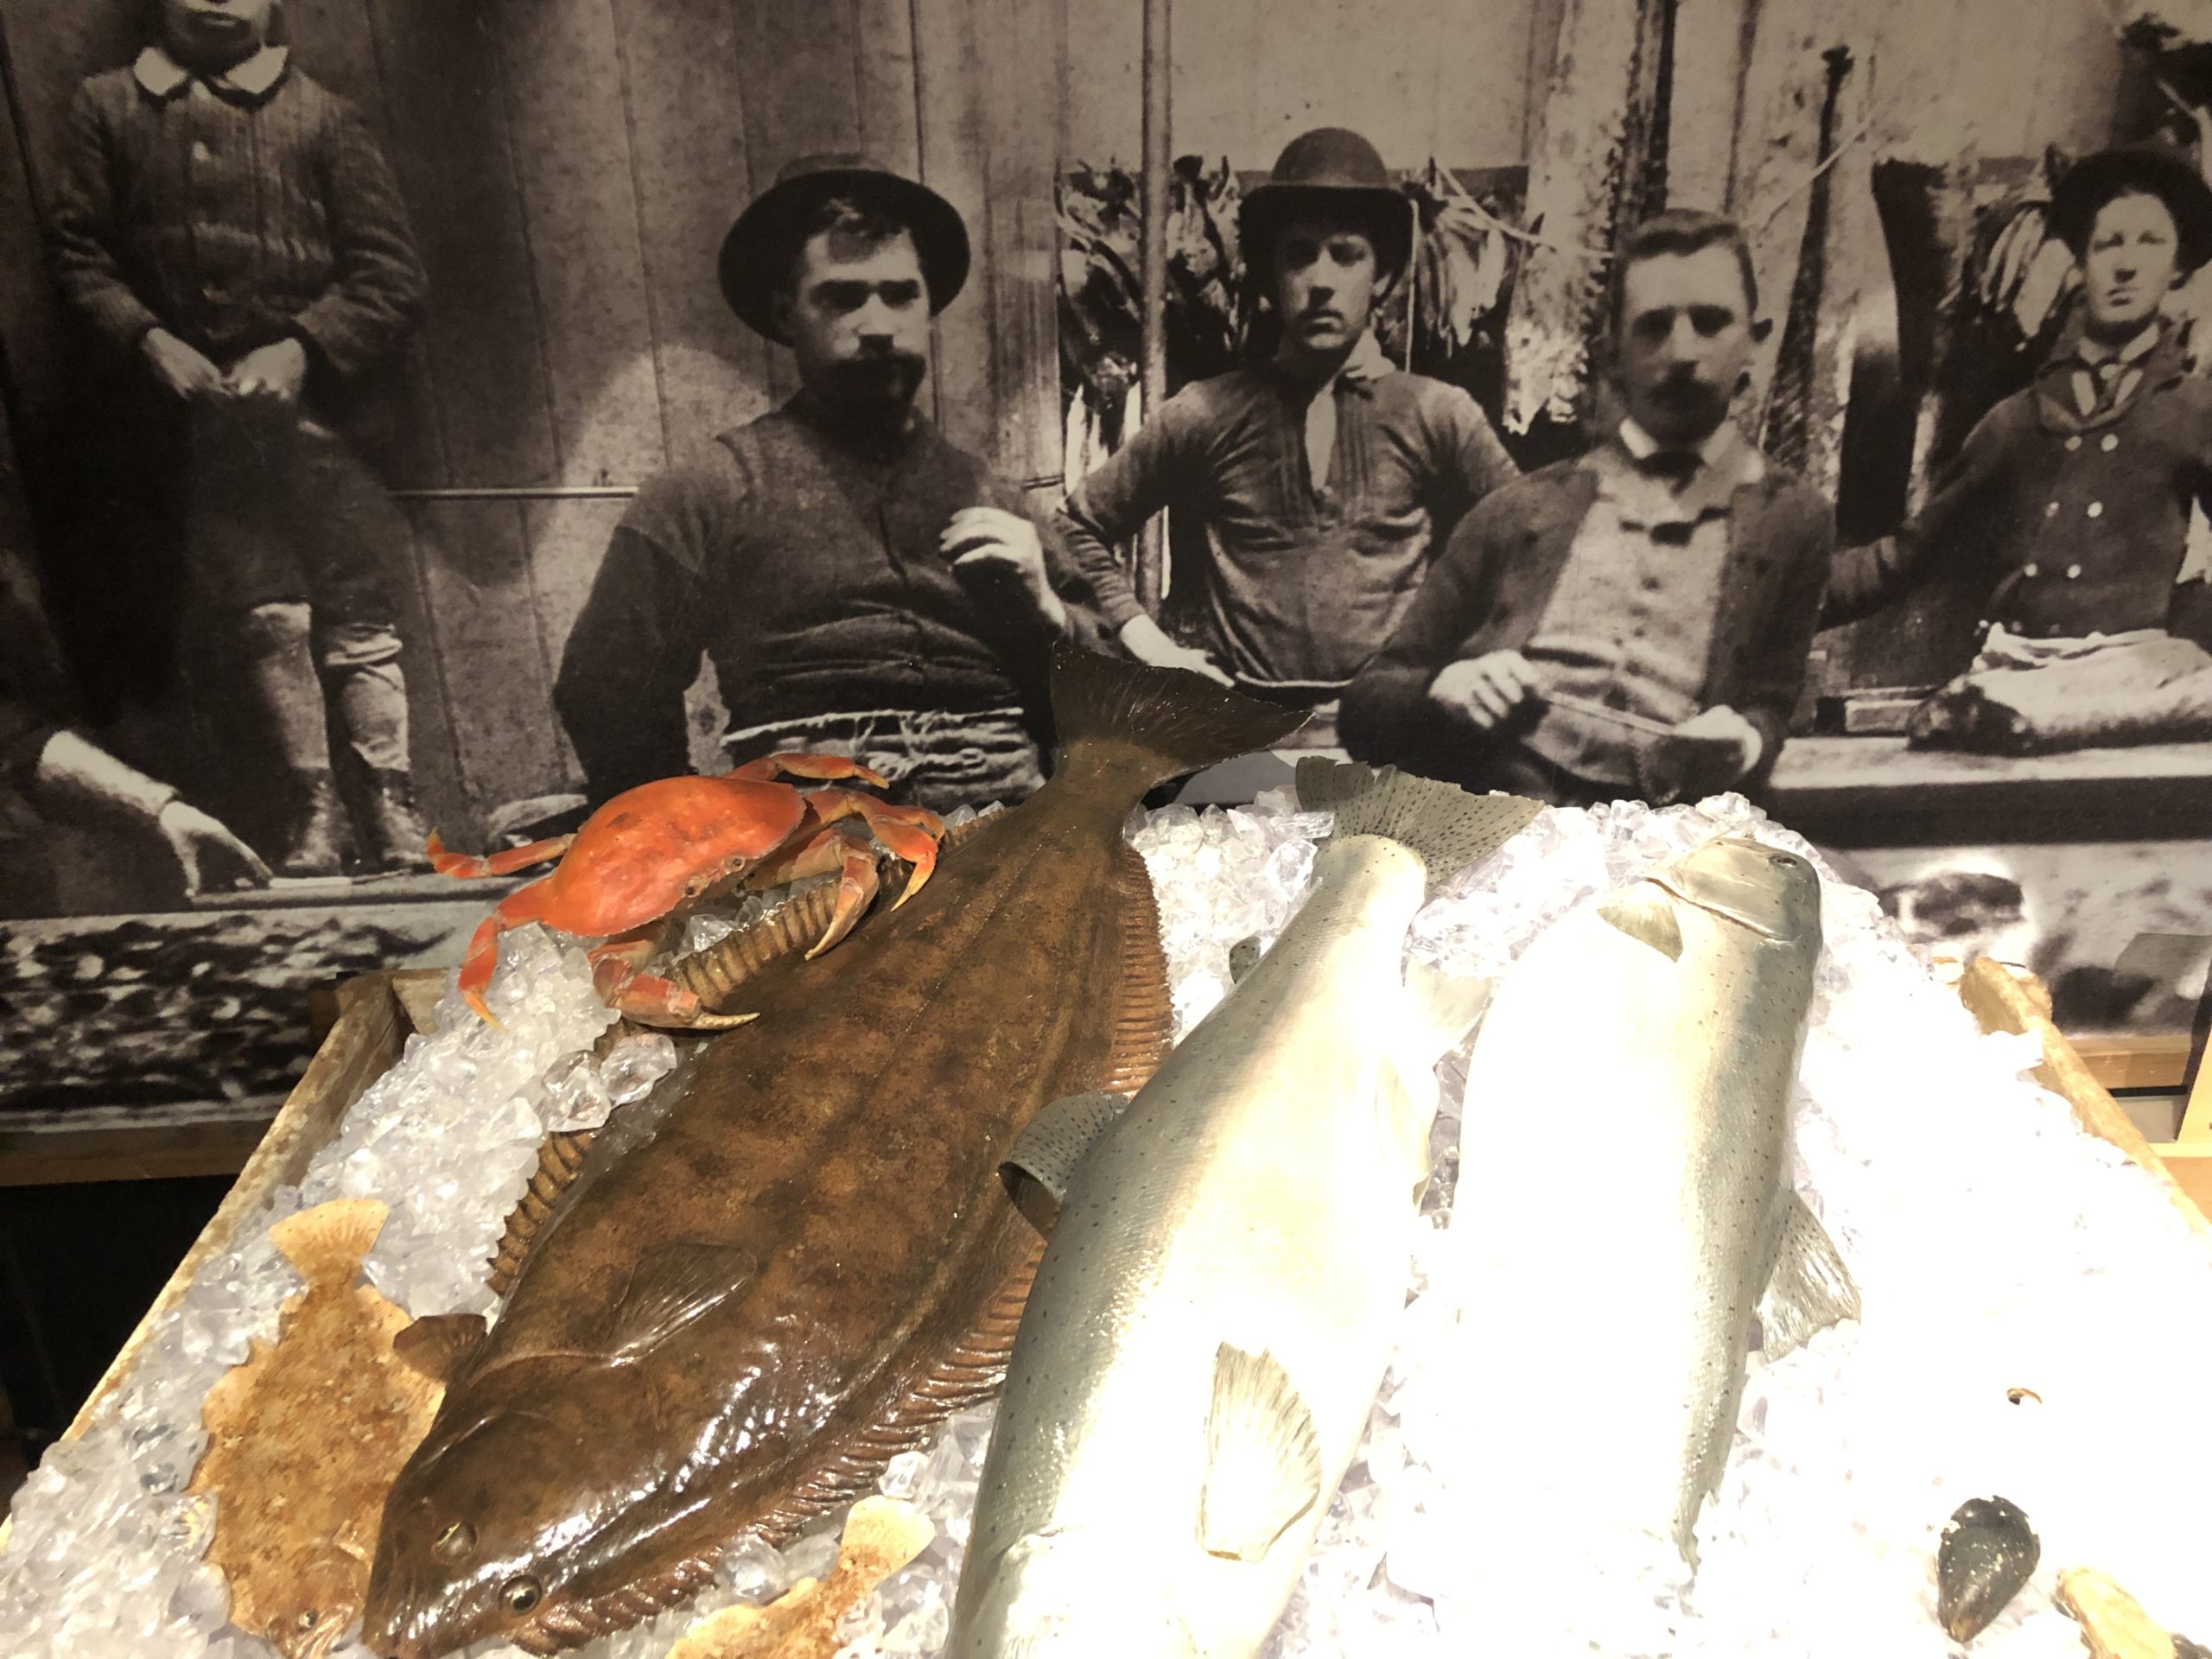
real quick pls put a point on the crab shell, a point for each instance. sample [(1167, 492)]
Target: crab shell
[(655, 847)]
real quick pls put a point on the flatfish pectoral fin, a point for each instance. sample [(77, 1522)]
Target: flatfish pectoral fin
[(674, 1284), (1809, 1288), (1263, 1460), (439, 1344), (1042, 1163)]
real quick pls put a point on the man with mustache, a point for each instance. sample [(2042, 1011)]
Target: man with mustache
[(861, 585), (1635, 622), (2069, 503), (1323, 479)]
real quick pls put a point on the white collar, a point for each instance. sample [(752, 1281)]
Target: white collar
[(164, 77)]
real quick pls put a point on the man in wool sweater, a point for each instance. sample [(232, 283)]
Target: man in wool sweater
[(229, 226)]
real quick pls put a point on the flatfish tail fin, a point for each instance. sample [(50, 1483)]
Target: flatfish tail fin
[(1175, 722), (1450, 828), (326, 1243)]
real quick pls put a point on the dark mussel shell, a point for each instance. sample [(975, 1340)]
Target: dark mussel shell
[(1988, 1551)]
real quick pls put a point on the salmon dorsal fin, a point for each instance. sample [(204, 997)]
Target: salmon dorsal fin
[(1037, 1172), (439, 1344), (671, 1286), (1263, 1460), (1646, 912), (326, 1243), (559, 1160), (1144, 1012)]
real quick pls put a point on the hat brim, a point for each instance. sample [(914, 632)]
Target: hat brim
[(1267, 208), (2095, 180), (757, 253)]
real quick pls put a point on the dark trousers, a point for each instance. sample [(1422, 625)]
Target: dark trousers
[(1514, 770)]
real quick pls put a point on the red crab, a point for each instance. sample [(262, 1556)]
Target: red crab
[(662, 845)]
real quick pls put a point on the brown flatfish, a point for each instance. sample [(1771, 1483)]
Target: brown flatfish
[(306, 1436), (797, 1257)]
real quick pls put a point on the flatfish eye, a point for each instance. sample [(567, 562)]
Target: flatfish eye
[(521, 1594), (455, 1542)]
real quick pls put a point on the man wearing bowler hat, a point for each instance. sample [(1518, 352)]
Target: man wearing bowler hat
[(861, 585), (1323, 479), (2071, 499)]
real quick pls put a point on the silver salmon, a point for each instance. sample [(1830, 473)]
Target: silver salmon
[(1624, 1212), (1215, 1310)]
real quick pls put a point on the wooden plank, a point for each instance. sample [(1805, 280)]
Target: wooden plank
[(883, 76), (64, 1155), (2154, 1060), (453, 153), (580, 208), (51, 48), (2011, 1000), (1104, 119), (954, 164), (568, 540), (2190, 1165), (1024, 44), (1778, 148), (441, 791), (2197, 1116), (477, 578), (682, 88), (1704, 105), (799, 97)]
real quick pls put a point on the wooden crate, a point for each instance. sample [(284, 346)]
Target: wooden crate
[(377, 1012)]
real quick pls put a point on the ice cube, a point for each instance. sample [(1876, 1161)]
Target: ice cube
[(635, 1064)]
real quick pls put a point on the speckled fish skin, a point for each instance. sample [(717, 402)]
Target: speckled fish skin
[(1625, 1192), (801, 1258), (1259, 1195)]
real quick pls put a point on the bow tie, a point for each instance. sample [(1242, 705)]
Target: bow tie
[(1675, 468)]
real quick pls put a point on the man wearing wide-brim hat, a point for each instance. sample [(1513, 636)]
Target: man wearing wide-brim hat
[(2071, 499), (1323, 478), (859, 583)]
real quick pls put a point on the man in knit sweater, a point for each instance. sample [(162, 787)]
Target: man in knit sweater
[(229, 224)]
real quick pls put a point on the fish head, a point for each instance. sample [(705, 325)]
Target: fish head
[(322, 1598), (501, 1513), (1775, 894)]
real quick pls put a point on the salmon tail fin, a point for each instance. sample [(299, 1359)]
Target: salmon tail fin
[(326, 1243), (1175, 721), (1448, 827)]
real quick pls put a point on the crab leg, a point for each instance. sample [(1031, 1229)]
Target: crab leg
[(525, 904), (910, 833), (794, 763), (468, 866), (618, 974)]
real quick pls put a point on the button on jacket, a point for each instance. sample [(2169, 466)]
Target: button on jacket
[(1304, 581), (2072, 498)]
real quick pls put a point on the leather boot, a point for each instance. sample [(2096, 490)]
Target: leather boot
[(311, 839), (396, 836)]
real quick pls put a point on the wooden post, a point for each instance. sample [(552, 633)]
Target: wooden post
[(1152, 546)]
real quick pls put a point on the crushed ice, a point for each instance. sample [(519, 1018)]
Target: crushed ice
[(1996, 1245)]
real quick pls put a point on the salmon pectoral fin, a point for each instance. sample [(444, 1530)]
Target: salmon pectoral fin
[(439, 1345), (1144, 1011), (1042, 1163), (674, 1284), (1263, 1460), (1645, 914), (1809, 1288)]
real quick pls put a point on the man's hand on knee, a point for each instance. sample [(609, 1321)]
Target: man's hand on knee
[(1484, 691)]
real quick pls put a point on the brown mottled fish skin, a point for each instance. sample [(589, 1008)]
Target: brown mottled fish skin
[(305, 1437), (799, 1256)]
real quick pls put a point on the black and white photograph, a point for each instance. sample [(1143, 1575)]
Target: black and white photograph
[(424, 423)]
